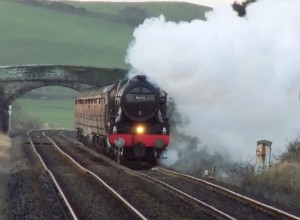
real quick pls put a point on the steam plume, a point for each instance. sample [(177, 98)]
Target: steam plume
[(237, 79)]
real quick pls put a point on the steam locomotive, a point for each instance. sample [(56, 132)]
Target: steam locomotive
[(126, 120)]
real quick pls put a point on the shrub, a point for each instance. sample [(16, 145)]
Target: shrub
[(133, 15), (293, 151)]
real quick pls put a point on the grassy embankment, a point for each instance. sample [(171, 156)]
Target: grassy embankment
[(38, 34), (51, 113)]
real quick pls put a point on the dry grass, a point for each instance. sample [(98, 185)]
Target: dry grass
[(5, 144), (285, 174), (4, 147)]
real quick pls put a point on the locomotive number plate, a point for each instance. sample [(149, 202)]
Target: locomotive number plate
[(138, 97)]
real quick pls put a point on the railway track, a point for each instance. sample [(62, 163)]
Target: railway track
[(269, 210), (154, 200), (196, 202), (78, 187), (211, 198), (235, 205), (215, 213)]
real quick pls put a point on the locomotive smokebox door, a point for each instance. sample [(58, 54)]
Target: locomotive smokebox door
[(139, 150)]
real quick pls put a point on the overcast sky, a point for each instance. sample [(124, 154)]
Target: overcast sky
[(210, 3)]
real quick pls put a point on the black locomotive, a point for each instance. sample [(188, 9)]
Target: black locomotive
[(127, 120)]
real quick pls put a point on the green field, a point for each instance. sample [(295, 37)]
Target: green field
[(34, 35), (51, 113), (72, 33), (37, 34)]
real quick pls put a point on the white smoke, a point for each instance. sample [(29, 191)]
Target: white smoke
[(236, 78)]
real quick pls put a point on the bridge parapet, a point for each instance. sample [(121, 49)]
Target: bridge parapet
[(86, 75)]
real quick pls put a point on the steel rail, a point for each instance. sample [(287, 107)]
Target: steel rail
[(205, 207), (127, 205), (243, 199), (210, 210), (59, 190), (106, 159)]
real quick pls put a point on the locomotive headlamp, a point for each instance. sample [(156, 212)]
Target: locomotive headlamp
[(140, 129)]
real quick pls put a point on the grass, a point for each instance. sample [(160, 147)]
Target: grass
[(34, 35), (40, 35), (54, 113)]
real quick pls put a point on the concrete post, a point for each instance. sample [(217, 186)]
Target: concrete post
[(263, 156)]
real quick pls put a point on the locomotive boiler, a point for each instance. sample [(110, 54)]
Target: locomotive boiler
[(126, 120)]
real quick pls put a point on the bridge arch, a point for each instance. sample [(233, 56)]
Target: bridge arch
[(18, 91), (16, 81)]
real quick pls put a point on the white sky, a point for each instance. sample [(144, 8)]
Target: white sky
[(210, 3)]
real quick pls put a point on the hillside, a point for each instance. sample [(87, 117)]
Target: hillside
[(90, 34), (35, 35), (73, 33)]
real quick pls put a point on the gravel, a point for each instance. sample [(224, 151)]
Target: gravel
[(25, 189)]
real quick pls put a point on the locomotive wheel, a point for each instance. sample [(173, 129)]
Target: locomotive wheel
[(151, 158), (94, 142), (103, 146)]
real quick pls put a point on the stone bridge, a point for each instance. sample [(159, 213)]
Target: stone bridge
[(15, 81)]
